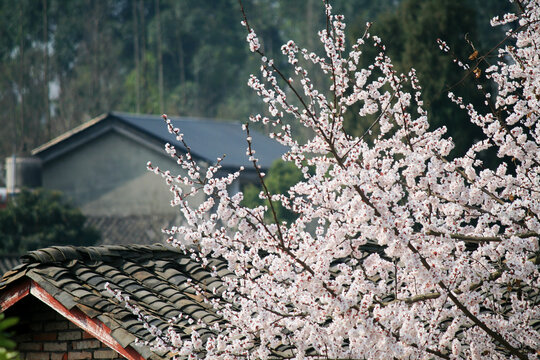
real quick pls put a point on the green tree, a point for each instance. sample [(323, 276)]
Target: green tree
[(281, 176), (6, 344), (410, 32), (57, 71), (42, 218)]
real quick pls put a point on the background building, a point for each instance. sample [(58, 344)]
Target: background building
[(101, 166)]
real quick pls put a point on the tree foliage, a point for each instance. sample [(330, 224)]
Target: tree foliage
[(7, 345), (57, 71), (41, 218)]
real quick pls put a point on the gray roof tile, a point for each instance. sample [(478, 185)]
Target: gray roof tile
[(66, 299), (221, 137), (157, 279), (9, 262), (123, 336)]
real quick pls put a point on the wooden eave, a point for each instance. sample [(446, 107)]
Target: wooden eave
[(20, 289)]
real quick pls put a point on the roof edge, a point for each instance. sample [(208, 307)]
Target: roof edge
[(14, 293), (70, 133), (122, 114), (94, 327), (56, 254)]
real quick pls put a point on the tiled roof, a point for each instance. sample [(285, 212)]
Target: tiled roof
[(132, 229), (8, 262), (208, 139), (159, 280)]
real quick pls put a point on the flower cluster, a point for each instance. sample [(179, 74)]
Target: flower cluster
[(398, 251)]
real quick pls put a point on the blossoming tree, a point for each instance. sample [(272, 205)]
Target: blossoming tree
[(398, 251)]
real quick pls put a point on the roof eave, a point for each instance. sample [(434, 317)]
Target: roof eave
[(69, 133), (14, 293), (20, 289), (93, 129)]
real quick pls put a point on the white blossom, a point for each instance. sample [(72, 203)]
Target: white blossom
[(398, 251)]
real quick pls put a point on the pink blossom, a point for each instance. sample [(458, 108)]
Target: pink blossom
[(398, 251)]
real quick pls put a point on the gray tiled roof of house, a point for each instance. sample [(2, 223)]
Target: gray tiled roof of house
[(132, 229), (8, 262), (159, 280), (209, 139)]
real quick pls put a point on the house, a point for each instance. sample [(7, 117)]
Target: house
[(66, 312), (101, 166)]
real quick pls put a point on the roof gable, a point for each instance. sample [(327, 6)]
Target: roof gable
[(72, 280), (208, 139)]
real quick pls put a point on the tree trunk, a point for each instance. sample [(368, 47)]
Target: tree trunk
[(160, 60), (181, 61), (46, 70), (136, 57), (22, 132), (309, 24), (143, 54), (182, 67)]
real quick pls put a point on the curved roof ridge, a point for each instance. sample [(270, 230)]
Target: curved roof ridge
[(60, 254)]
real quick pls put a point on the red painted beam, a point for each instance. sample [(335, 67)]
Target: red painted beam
[(92, 326), (13, 294)]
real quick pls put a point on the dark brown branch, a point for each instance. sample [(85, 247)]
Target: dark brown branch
[(480, 239), (495, 335)]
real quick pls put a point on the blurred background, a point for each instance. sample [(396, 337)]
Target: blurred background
[(65, 62)]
